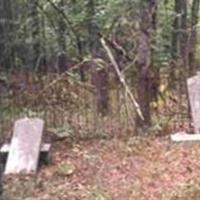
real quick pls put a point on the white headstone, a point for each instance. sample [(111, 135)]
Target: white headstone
[(194, 99), (25, 146)]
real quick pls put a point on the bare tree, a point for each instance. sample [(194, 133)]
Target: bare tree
[(61, 28), (6, 34), (147, 27), (193, 34), (35, 50), (100, 75), (179, 51)]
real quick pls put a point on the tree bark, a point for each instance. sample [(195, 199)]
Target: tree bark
[(144, 61), (35, 50), (175, 30), (6, 35), (93, 29), (61, 28), (193, 34), (184, 43), (180, 43), (2, 43), (100, 76)]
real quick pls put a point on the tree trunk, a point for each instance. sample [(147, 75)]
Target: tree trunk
[(144, 61), (35, 50), (93, 30), (2, 43), (184, 43), (6, 35), (100, 77), (61, 28), (100, 80), (80, 44), (180, 44), (193, 34), (176, 31)]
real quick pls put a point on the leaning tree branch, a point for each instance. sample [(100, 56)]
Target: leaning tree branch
[(121, 78), (114, 45)]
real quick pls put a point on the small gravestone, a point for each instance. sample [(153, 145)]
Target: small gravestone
[(43, 159), (25, 146)]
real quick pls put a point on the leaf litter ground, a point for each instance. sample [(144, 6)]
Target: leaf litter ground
[(138, 168)]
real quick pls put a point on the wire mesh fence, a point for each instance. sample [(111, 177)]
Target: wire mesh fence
[(64, 104), (69, 107)]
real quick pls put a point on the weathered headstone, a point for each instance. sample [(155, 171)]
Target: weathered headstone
[(193, 85), (25, 146), (44, 154), (194, 99)]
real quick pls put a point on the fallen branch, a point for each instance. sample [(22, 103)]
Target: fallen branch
[(121, 78), (69, 74)]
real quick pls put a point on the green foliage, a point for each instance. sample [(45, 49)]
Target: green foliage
[(163, 34), (66, 169), (115, 18)]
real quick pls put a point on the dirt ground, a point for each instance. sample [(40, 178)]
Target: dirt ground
[(133, 169)]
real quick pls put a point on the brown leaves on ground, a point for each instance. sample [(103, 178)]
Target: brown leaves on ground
[(140, 168)]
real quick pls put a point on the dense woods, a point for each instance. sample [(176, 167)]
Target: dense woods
[(148, 39), (98, 68)]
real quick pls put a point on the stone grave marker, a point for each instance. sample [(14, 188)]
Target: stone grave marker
[(44, 157), (194, 99), (193, 85), (25, 146)]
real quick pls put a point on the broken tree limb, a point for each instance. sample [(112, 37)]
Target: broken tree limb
[(121, 78)]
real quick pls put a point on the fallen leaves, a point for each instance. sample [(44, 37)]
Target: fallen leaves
[(140, 168)]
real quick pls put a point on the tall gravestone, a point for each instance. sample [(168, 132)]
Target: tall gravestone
[(193, 84)]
